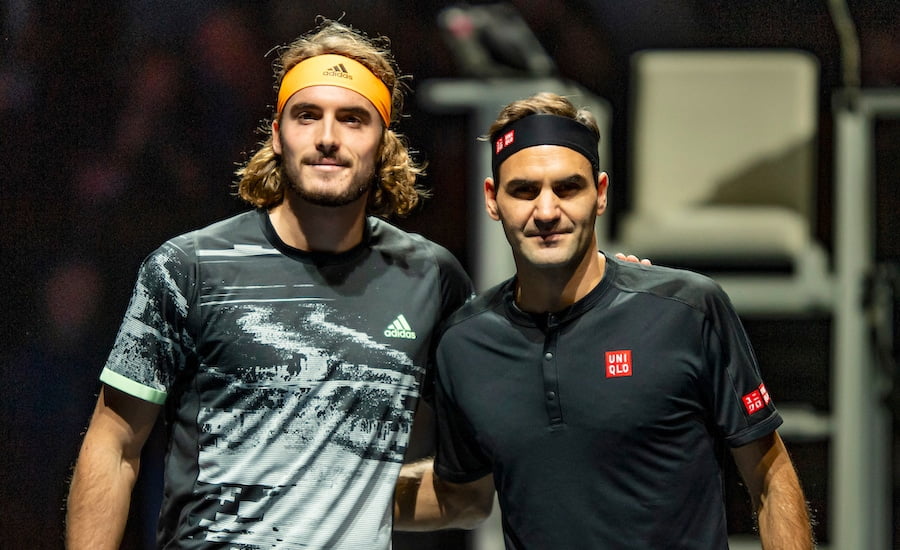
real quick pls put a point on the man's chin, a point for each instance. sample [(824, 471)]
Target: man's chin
[(547, 261), (331, 200), (328, 202)]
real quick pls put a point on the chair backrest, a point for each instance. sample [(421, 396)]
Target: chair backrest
[(723, 127)]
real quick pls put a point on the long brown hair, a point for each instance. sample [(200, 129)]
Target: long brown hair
[(395, 192)]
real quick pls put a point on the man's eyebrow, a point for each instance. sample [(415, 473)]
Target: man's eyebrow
[(359, 111), (517, 182), (572, 178), (305, 106)]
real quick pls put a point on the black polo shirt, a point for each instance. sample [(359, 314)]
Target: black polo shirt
[(604, 424)]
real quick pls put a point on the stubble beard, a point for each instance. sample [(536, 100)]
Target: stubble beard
[(563, 256), (357, 188)]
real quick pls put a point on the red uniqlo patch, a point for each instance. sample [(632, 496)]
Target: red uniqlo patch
[(756, 400), (504, 140), (618, 363)]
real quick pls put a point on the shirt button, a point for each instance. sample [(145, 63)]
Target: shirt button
[(551, 395), (548, 356)]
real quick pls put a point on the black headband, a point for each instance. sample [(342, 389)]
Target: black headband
[(543, 129)]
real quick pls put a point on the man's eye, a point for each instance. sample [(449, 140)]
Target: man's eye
[(525, 193), (566, 189)]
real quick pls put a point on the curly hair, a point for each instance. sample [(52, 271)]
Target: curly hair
[(546, 103), (396, 192)]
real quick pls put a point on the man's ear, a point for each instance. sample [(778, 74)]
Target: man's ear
[(276, 138), (602, 188), (490, 199)]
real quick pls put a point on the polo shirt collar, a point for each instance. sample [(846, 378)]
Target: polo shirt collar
[(546, 321)]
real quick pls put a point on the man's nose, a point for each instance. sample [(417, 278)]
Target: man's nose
[(327, 141), (546, 207)]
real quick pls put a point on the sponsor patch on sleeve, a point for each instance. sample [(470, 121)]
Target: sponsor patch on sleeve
[(756, 400)]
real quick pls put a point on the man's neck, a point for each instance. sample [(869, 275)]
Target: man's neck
[(552, 290), (313, 228)]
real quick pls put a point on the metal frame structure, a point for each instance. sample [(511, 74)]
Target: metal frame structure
[(861, 479)]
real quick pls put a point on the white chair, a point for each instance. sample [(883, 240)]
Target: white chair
[(723, 172)]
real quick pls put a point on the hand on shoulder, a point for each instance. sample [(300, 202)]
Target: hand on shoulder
[(632, 258)]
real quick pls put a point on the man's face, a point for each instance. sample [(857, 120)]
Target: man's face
[(547, 202), (328, 138)]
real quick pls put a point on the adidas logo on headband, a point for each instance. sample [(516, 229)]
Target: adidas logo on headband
[(339, 71)]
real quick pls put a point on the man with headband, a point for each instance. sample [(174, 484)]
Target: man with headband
[(596, 395), (286, 345)]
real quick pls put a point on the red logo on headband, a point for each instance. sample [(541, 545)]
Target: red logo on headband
[(504, 141)]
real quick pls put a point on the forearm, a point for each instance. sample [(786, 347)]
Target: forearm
[(423, 502), (777, 497), (415, 506), (782, 513), (99, 498)]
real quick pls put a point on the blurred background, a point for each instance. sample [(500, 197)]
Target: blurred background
[(123, 122)]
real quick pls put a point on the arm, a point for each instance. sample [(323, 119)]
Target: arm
[(775, 490), (106, 470), (425, 502)]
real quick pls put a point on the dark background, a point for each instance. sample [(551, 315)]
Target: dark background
[(123, 122)]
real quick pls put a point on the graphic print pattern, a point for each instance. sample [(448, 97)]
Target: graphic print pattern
[(304, 406)]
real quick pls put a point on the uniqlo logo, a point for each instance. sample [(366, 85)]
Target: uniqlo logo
[(618, 363), (504, 141), (756, 400), (764, 393)]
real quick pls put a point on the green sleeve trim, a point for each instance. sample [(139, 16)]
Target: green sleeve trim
[(131, 387)]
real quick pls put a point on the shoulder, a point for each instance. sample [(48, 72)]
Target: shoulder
[(246, 227), (693, 290), (390, 239), (222, 235), (241, 228), (482, 308)]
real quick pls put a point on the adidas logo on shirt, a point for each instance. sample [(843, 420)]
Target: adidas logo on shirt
[(339, 71), (399, 328)]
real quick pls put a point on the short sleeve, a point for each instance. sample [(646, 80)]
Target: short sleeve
[(456, 286), (743, 409), (456, 290), (153, 339), (459, 457)]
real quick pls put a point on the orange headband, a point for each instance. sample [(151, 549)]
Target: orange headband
[(336, 70)]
